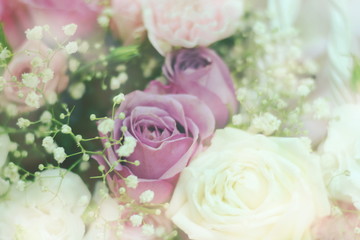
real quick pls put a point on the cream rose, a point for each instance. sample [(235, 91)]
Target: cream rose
[(250, 187), (48, 209), (341, 155)]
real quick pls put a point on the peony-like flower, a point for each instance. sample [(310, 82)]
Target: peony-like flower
[(202, 73), (168, 130), (127, 20), (49, 208), (341, 154), (189, 23), (24, 67), (20, 15), (250, 187)]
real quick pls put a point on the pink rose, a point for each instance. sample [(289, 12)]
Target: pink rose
[(16, 19), (190, 23), (127, 20), (169, 130), (52, 78), (20, 15), (202, 73)]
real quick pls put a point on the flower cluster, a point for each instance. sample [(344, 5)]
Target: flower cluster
[(179, 119)]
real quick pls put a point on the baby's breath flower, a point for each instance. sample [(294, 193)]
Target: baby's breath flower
[(146, 196), (51, 97), (119, 98), (36, 33), (106, 126), (237, 119), (92, 117), (116, 82), (30, 80), (23, 123), (128, 147), (71, 47), (136, 220), (73, 64), (85, 157), (131, 181), (46, 117), (47, 75), (49, 144), (266, 123), (103, 21), (29, 138), (69, 29), (59, 154), (77, 90), (4, 54), (33, 100), (66, 129)]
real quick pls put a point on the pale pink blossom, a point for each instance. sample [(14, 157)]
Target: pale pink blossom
[(56, 81), (190, 23), (127, 20)]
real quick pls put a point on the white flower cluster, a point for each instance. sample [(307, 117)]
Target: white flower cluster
[(128, 147)]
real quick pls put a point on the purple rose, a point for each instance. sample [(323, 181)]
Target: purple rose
[(169, 129), (202, 73)]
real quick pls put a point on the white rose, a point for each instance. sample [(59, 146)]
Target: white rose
[(250, 187), (341, 155), (48, 209)]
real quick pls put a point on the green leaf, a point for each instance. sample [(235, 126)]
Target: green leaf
[(3, 40), (355, 78)]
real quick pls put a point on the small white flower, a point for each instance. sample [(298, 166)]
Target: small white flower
[(266, 123), (4, 54), (29, 138), (237, 119), (36, 33), (103, 21), (73, 65), (77, 90), (71, 47), (131, 181), (47, 75), (119, 98), (146, 196), (66, 129), (136, 220), (148, 229), (49, 144), (69, 29), (33, 100), (106, 126), (59, 154), (30, 80), (46, 117), (116, 82), (23, 123), (128, 147)]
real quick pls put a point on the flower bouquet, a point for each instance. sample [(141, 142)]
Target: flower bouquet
[(177, 119)]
